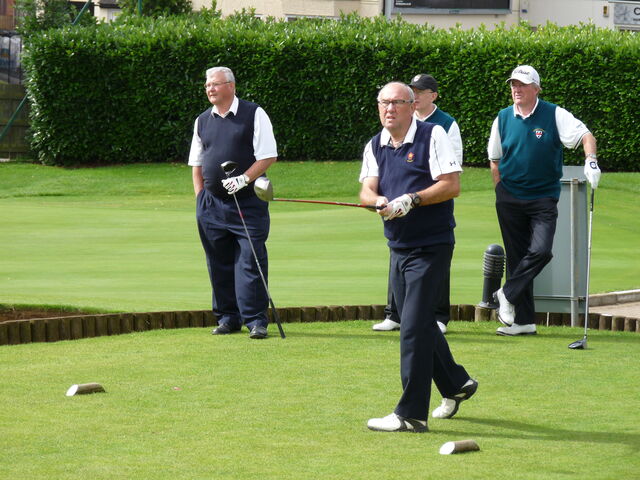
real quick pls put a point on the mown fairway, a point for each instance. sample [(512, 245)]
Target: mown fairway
[(124, 238), (182, 404)]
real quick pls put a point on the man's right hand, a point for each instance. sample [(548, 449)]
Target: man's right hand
[(381, 203), (398, 207)]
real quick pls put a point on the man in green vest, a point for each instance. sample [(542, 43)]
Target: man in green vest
[(525, 153)]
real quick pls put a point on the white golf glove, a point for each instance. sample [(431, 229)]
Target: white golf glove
[(592, 172), (234, 184), (399, 207)]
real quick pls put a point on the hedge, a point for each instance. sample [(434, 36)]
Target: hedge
[(130, 91)]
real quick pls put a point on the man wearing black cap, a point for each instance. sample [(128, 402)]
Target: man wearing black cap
[(425, 89)]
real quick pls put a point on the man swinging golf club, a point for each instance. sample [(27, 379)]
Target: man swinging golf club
[(525, 153), (411, 168), (233, 130), (425, 89)]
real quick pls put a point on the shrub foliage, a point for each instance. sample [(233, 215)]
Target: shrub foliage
[(33, 16), (130, 91), (155, 8)]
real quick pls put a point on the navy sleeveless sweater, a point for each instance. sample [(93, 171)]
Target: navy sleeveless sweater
[(406, 170), (224, 139)]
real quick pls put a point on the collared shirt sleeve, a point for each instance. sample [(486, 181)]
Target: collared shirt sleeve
[(264, 143), (442, 157), (494, 149), (369, 164), (456, 140), (570, 129), (195, 159)]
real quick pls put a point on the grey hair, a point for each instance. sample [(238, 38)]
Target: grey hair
[(227, 73), (534, 83), (412, 95)]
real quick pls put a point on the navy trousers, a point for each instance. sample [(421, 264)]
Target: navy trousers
[(417, 278), (528, 228), (239, 296), (443, 307)]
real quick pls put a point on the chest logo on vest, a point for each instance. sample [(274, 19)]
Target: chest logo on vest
[(538, 132), (410, 157)]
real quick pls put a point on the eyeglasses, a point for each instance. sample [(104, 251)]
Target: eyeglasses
[(208, 86), (395, 103)]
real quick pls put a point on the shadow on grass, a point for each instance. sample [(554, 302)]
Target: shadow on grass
[(525, 431), (563, 335), (359, 336), (593, 336), (457, 337), (395, 335)]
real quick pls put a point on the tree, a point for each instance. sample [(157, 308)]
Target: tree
[(156, 8), (38, 15)]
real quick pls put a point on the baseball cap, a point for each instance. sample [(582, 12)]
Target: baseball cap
[(423, 81), (526, 74)]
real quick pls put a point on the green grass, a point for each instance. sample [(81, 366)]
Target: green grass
[(181, 404), (124, 238)]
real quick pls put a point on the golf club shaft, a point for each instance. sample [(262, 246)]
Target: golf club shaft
[(586, 300), (342, 204), (264, 281), (582, 344)]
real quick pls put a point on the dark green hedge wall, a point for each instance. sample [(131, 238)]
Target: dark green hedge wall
[(130, 92)]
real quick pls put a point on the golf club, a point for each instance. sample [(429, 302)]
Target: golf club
[(264, 191), (582, 344), (228, 168)]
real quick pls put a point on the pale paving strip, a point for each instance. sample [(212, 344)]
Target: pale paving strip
[(625, 304)]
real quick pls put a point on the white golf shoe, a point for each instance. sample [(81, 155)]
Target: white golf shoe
[(515, 329), (506, 310), (442, 327), (396, 423), (386, 325), (449, 406)]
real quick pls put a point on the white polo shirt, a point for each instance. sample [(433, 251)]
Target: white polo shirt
[(442, 157), (454, 133)]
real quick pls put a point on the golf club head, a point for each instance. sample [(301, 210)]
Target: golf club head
[(229, 167), (579, 344), (263, 188)]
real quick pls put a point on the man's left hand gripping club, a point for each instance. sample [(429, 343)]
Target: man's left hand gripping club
[(233, 184)]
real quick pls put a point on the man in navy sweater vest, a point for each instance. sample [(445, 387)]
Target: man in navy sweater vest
[(525, 153), (413, 164), (425, 89), (239, 131)]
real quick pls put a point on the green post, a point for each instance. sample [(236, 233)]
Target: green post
[(5, 130), (81, 12), (139, 7)]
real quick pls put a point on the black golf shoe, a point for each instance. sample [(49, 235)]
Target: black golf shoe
[(258, 332), (224, 329)]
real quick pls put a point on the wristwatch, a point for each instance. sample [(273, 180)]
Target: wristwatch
[(415, 200), (592, 155)]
